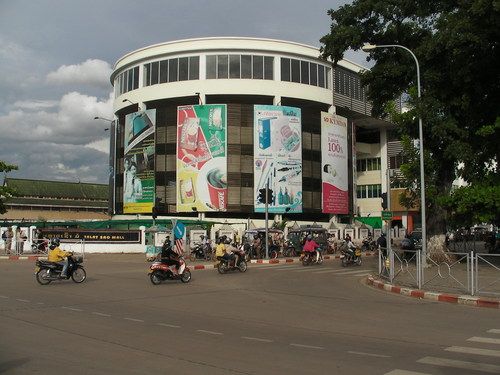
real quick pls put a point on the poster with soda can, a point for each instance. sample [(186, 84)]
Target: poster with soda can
[(138, 162), (201, 158), (334, 153), (278, 158)]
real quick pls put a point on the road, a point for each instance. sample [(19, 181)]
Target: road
[(273, 319)]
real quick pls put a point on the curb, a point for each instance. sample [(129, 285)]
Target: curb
[(290, 260), (22, 257), (441, 297)]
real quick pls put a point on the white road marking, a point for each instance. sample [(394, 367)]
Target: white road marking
[(290, 268), (168, 325), (100, 314), (306, 270), (40, 303), (473, 366), (276, 268), (404, 372), (461, 349), (342, 272), (256, 339), (494, 331), (209, 332), (4, 297), (486, 340), (306, 346), (134, 320), (71, 308), (22, 300), (370, 354)]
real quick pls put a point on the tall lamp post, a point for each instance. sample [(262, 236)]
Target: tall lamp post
[(112, 155), (367, 47)]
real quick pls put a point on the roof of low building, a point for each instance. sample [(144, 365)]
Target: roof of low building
[(57, 189)]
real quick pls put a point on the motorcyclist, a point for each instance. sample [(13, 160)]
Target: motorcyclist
[(168, 255), (311, 246), (231, 251), (58, 256), (382, 244), (257, 245), (351, 248)]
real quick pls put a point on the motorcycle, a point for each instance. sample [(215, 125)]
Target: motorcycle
[(160, 271), (46, 272), (368, 244), (289, 250), (40, 246), (350, 256), (201, 252), (232, 265), (309, 257)]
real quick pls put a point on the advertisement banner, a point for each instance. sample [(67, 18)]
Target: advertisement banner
[(201, 158), (139, 154), (278, 157), (334, 176)]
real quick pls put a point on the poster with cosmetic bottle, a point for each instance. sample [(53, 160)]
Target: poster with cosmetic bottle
[(278, 157), (334, 154), (138, 162), (201, 158)]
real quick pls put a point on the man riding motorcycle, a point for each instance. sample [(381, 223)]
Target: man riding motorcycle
[(168, 255), (58, 256), (311, 246)]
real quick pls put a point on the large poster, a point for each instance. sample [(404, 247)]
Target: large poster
[(334, 176), (278, 157), (201, 158), (139, 153)]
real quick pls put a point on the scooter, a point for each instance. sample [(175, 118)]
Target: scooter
[(201, 252), (46, 272), (368, 244), (310, 257), (350, 256), (232, 265), (160, 271)]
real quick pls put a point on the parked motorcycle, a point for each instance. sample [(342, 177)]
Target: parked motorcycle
[(160, 271), (201, 252), (289, 250), (46, 272), (309, 257), (240, 264), (350, 256), (368, 244)]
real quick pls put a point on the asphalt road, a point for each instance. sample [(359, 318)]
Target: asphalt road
[(273, 319)]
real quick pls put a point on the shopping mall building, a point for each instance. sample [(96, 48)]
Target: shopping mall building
[(222, 89)]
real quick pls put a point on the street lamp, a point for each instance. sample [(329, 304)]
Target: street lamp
[(128, 100), (368, 47), (104, 119)]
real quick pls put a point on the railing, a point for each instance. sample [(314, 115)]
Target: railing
[(459, 272)]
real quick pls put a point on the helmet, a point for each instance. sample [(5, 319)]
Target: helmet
[(202, 236), (55, 242), (227, 241), (255, 236), (309, 237)]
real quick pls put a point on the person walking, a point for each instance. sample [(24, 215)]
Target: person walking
[(9, 234), (20, 238)]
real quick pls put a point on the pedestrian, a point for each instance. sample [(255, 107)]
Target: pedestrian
[(9, 234), (382, 244), (20, 239)]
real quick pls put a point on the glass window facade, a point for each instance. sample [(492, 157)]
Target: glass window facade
[(127, 81), (240, 67), (171, 70), (368, 191), (371, 164), (301, 71)]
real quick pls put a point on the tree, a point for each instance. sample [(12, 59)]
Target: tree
[(457, 45), (5, 192)]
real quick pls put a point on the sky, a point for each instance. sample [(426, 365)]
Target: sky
[(57, 56)]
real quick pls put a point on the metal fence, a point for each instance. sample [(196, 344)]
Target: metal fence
[(458, 272)]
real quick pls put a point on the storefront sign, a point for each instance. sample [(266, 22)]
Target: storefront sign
[(93, 236)]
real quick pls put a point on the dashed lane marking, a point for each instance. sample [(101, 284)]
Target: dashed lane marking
[(4, 297), (209, 332), (134, 320), (473, 366), (256, 339), (22, 300), (100, 314), (71, 308), (493, 330), (342, 272), (306, 346), (369, 354), (477, 351), (486, 340), (168, 325), (405, 372)]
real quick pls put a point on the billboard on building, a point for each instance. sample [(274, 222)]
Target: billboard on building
[(278, 157), (334, 155), (139, 153), (201, 160)]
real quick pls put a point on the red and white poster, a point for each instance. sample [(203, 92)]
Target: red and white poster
[(334, 154)]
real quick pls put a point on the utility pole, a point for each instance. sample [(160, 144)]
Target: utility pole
[(267, 219)]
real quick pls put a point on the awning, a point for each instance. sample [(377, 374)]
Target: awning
[(373, 221)]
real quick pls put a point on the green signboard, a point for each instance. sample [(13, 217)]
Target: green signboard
[(386, 215)]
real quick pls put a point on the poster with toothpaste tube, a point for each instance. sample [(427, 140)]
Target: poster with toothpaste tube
[(278, 157), (334, 154), (201, 158)]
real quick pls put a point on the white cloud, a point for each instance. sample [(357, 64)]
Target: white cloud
[(92, 72), (35, 104)]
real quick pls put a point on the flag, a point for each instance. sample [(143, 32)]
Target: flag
[(179, 246)]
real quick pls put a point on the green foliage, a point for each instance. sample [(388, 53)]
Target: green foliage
[(5, 192), (457, 46)]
